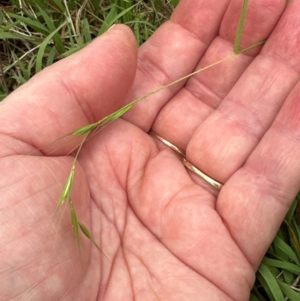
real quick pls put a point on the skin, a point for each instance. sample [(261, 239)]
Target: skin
[(166, 234)]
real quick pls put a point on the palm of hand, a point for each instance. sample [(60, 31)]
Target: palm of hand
[(166, 236)]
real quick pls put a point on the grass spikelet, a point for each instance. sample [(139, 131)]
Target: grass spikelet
[(84, 130), (66, 193), (87, 233), (74, 222)]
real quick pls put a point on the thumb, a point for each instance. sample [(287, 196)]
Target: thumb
[(78, 90)]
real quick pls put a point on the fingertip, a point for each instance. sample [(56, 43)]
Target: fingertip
[(123, 34)]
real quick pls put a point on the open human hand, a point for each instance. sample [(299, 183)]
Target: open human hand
[(167, 234)]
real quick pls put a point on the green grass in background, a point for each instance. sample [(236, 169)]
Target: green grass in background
[(36, 33)]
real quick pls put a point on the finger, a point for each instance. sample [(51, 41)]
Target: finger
[(257, 197), (73, 92), (223, 142), (172, 52), (204, 92)]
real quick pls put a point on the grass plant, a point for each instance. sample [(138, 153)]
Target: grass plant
[(36, 33)]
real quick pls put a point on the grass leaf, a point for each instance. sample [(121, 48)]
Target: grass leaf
[(289, 291), (56, 37), (86, 31), (112, 17), (271, 285), (34, 24), (240, 28), (51, 56), (58, 5), (295, 240), (108, 22), (253, 298), (284, 247), (293, 268), (44, 44), (291, 211), (9, 35)]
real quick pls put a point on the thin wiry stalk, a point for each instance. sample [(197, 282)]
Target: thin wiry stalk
[(93, 128)]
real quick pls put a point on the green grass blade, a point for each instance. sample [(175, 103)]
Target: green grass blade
[(291, 211), (141, 22), (2, 94), (15, 36), (270, 283), (34, 24), (112, 17), (108, 22), (9, 26), (294, 238), (288, 276), (51, 56), (56, 38), (23, 70), (34, 3), (146, 33), (57, 4), (289, 292), (293, 268), (30, 65), (284, 247), (122, 5), (44, 44), (174, 2), (137, 34), (71, 38), (96, 4), (1, 17), (21, 80), (297, 232), (86, 31), (253, 298), (240, 28)]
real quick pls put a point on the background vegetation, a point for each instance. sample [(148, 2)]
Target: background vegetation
[(36, 33)]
